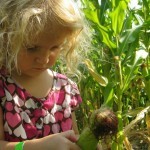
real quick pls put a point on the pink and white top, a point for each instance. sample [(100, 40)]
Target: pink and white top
[(27, 117)]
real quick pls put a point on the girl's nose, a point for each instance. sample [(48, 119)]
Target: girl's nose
[(43, 58)]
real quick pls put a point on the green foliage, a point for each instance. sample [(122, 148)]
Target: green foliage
[(120, 76)]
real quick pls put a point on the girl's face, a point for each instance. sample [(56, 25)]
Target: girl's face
[(42, 54)]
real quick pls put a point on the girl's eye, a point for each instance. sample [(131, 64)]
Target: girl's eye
[(32, 49), (55, 48)]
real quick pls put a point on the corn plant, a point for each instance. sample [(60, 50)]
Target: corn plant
[(117, 72)]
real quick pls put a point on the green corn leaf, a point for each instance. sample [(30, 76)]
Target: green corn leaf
[(109, 94), (139, 55), (129, 36), (91, 12), (103, 8), (105, 37), (93, 17), (87, 140), (118, 16)]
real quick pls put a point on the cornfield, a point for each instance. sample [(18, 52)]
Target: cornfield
[(116, 73)]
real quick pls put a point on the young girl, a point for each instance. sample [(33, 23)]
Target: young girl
[(37, 104)]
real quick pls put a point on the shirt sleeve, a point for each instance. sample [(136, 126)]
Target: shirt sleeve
[(75, 96)]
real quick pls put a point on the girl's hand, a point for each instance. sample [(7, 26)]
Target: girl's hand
[(60, 141), (68, 139)]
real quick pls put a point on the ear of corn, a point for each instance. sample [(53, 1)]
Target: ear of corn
[(103, 122)]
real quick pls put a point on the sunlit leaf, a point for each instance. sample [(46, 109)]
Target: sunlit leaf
[(118, 16), (129, 36), (93, 17), (99, 78), (108, 95), (105, 35), (139, 116), (130, 71), (140, 54)]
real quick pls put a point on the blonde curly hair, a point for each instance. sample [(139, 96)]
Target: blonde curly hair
[(19, 19)]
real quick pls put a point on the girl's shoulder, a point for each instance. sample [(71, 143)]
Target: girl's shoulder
[(65, 85), (58, 77)]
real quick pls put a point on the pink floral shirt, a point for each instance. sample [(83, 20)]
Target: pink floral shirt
[(28, 117)]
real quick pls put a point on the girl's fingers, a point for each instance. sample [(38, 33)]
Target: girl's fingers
[(73, 146), (70, 135)]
